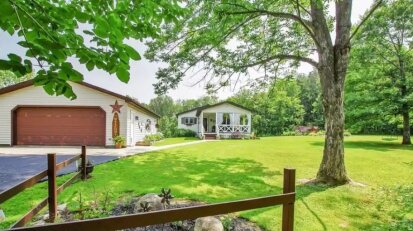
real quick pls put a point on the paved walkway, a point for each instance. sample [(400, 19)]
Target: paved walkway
[(20, 163)]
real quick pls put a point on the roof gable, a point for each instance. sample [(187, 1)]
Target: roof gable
[(127, 99), (200, 109)]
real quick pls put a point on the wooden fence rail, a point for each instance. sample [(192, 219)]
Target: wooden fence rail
[(53, 191), (286, 199)]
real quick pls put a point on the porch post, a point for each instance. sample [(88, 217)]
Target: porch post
[(216, 123), (201, 124), (233, 122), (249, 123)]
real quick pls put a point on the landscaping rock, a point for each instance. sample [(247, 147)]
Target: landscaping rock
[(62, 208), (45, 217), (208, 224), (152, 199), (244, 225)]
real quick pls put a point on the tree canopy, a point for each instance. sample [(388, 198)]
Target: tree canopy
[(277, 108), (225, 41), (380, 83), (94, 33), (8, 78)]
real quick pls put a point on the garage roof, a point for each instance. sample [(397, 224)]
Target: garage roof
[(127, 99)]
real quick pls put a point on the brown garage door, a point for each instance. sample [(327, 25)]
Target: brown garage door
[(59, 126)]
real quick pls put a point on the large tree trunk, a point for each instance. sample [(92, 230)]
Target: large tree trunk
[(405, 106), (333, 62), (406, 125), (332, 168)]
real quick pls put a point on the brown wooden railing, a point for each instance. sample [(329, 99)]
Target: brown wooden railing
[(286, 199), (53, 191)]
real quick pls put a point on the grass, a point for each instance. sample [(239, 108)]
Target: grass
[(235, 169), (177, 140)]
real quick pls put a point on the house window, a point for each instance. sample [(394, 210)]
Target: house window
[(243, 119), (188, 120), (226, 119)]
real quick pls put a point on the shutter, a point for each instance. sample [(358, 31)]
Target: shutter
[(183, 120)]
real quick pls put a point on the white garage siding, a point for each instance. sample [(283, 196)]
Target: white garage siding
[(137, 125)]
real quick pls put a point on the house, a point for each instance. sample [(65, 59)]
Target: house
[(224, 119), (29, 116)]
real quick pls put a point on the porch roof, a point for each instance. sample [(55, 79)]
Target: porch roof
[(200, 109)]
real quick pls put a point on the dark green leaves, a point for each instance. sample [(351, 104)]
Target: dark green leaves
[(133, 54), (123, 75), (93, 32)]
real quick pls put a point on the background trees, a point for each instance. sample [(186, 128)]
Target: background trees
[(276, 109), (380, 83), (8, 78)]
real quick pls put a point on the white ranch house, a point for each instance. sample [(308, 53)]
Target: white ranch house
[(219, 120)]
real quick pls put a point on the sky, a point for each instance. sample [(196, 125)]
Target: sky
[(143, 71)]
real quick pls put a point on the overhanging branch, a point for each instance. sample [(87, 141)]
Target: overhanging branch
[(282, 57), (303, 22), (374, 8)]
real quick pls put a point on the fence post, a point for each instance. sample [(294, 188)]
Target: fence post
[(51, 179), (83, 163), (288, 208)]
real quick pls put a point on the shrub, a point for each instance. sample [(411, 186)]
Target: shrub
[(313, 134), (347, 133), (289, 133), (119, 140), (151, 138), (321, 133), (184, 133)]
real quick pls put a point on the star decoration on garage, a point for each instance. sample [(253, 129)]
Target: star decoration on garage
[(116, 107)]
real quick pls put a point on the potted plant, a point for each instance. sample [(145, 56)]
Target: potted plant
[(89, 167), (119, 141)]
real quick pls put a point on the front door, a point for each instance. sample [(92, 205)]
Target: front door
[(205, 122)]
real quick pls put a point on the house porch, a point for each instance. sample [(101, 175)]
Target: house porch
[(224, 123)]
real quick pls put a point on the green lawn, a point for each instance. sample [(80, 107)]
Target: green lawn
[(235, 169), (176, 140)]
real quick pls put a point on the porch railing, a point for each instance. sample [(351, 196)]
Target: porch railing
[(233, 128)]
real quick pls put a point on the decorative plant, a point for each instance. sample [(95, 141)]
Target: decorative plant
[(166, 196), (145, 207), (119, 140), (166, 199)]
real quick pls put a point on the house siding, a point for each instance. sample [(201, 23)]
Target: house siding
[(36, 96), (193, 127), (136, 130), (226, 108)]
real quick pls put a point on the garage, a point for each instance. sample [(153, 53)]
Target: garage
[(63, 126)]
